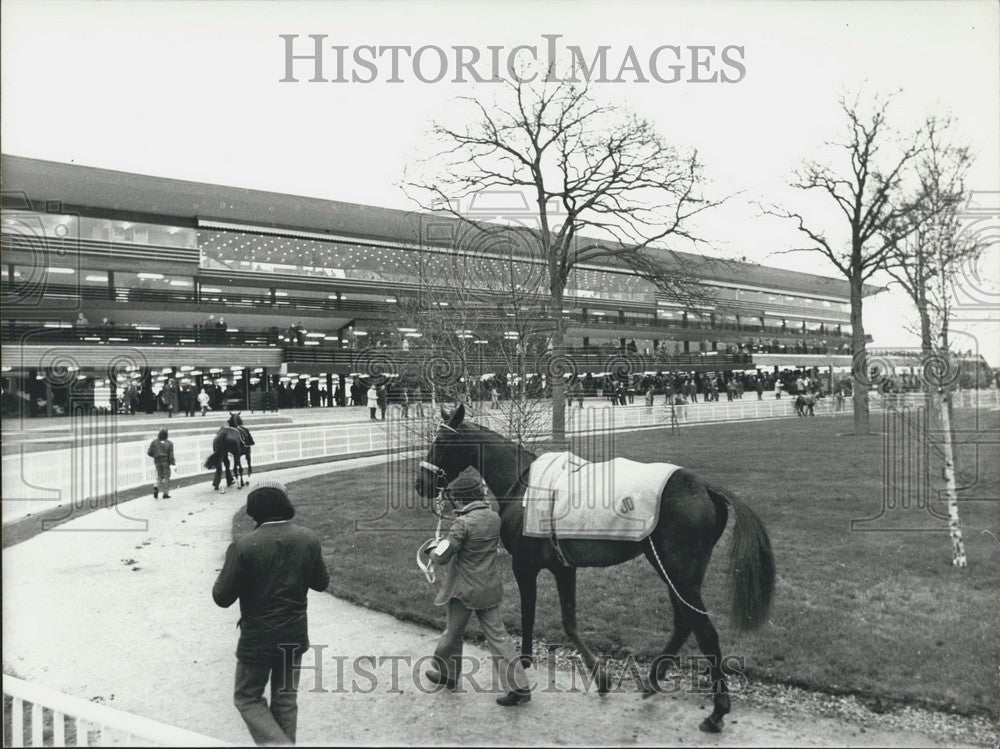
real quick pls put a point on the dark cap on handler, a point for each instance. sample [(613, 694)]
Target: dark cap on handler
[(466, 488), (269, 501)]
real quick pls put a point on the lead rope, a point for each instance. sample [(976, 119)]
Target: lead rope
[(428, 567), (669, 581)]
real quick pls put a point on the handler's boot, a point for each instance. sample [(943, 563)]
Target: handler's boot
[(436, 677), (516, 697)]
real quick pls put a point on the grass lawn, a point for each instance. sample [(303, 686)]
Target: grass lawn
[(881, 614)]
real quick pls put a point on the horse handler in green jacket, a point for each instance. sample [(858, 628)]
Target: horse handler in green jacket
[(472, 585)]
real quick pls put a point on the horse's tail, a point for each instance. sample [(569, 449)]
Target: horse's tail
[(213, 461), (751, 564)]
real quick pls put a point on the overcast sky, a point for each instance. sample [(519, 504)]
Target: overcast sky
[(192, 91)]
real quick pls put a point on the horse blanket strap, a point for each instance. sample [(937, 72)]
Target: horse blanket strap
[(555, 541), (572, 498)]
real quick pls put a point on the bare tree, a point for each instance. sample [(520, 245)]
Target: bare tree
[(479, 317), (867, 180), (926, 265), (584, 167)]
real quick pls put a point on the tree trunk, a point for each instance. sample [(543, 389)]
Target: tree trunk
[(862, 421), (926, 336), (559, 441)]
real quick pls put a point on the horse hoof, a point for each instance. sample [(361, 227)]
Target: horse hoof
[(711, 726)]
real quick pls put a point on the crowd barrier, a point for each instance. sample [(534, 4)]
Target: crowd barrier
[(57, 719), (93, 466)]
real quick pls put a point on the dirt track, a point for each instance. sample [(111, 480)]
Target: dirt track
[(120, 610)]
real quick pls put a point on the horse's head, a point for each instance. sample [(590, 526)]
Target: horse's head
[(235, 420), (447, 457)]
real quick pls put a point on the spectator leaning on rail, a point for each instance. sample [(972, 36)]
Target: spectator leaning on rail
[(473, 585), (271, 570), (161, 450)]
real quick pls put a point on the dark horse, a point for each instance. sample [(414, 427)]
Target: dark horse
[(228, 442), (692, 519), (236, 420), (804, 404)]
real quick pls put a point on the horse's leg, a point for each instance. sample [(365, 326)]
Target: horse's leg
[(229, 473), (527, 584), (682, 630), (566, 585), (708, 643), (249, 465)]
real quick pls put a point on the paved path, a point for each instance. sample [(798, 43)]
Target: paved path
[(120, 609)]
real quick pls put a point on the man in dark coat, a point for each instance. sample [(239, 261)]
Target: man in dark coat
[(472, 585), (383, 400), (270, 570), (161, 450)]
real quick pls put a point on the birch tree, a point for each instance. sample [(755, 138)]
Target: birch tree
[(926, 265)]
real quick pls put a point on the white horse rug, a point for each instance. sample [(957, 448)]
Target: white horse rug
[(570, 497)]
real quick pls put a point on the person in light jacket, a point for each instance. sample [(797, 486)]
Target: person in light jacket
[(473, 585), (203, 400), (372, 401)]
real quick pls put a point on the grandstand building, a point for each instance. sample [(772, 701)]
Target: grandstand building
[(109, 276)]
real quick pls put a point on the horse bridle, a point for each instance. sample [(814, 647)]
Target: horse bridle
[(441, 484)]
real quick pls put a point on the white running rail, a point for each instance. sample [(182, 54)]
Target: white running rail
[(94, 469), (56, 717)]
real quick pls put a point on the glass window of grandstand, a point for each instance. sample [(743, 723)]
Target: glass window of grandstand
[(585, 283), (244, 296), (132, 232), (699, 320), (153, 287), (242, 251), (300, 299), (772, 324), (27, 227), (725, 322)]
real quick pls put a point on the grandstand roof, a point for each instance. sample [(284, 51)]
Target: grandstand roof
[(104, 192)]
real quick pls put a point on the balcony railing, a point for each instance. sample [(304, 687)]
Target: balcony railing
[(262, 299), (387, 361), (147, 335)]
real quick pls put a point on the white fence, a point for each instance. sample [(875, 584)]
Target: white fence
[(90, 469), (56, 719)]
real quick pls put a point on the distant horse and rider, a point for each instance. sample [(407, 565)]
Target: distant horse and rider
[(691, 519), (805, 403), (233, 440)]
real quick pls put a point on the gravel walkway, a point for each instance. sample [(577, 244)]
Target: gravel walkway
[(116, 606)]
